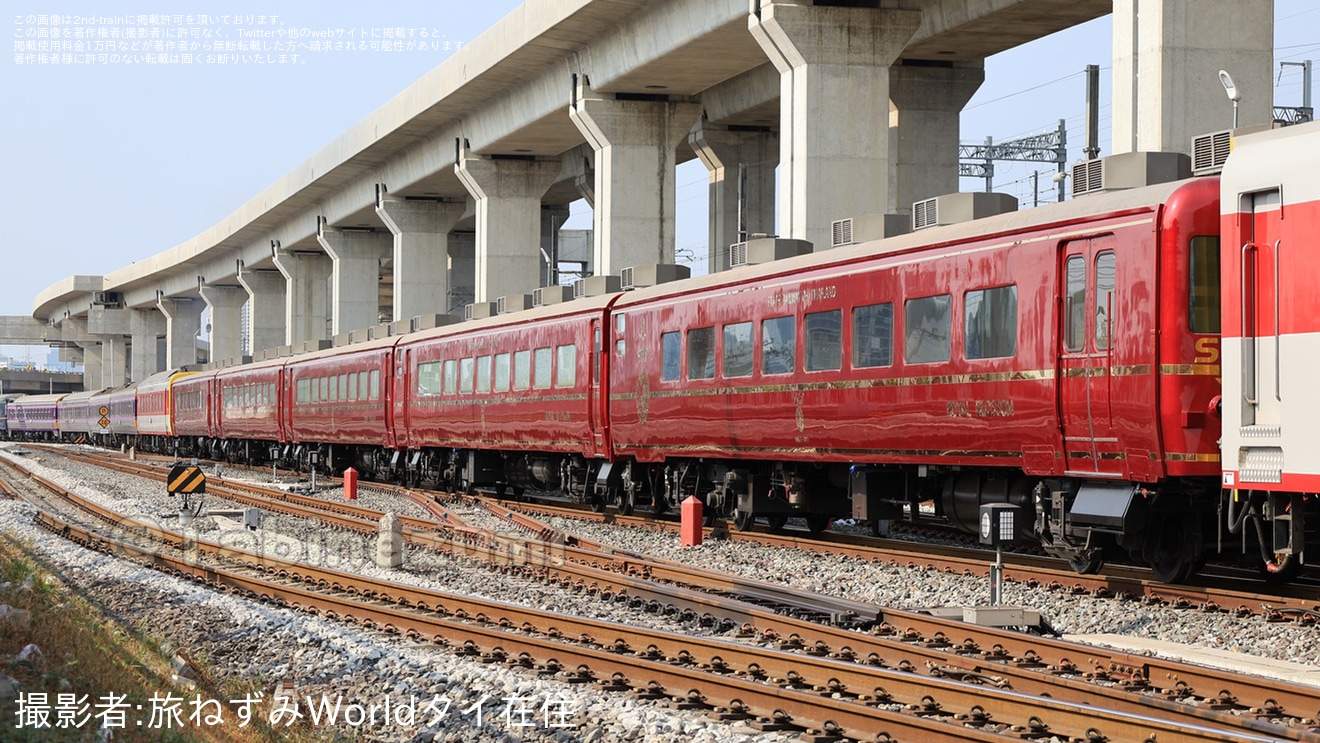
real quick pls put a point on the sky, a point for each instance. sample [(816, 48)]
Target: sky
[(108, 163)]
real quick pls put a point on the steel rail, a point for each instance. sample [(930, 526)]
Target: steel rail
[(828, 708)]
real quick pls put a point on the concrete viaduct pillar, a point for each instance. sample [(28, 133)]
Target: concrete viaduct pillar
[(226, 305), (462, 272), (421, 252), (74, 330), (306, 296), (553, 217), (266, 289), (145, 326), (183, 320), (742, 184), (833, 64), (114, 361), (92, 365), (632, 214), (923, 129), (1167, 59), (355, 275), (508, 205)]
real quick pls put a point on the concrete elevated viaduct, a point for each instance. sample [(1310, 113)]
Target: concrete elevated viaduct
[(449, 192)]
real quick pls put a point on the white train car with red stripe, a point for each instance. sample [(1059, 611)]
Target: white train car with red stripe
[(1270, 264)]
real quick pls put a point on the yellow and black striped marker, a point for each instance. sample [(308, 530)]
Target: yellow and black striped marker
[(186, 479)]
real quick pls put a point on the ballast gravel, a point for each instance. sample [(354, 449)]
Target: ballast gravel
[(434, 694), (327, 659)]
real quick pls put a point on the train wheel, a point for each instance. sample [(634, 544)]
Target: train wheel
[(742, 520), (625, 501), (817, 522), (1173, 547), (778, 521), (1087, 562)]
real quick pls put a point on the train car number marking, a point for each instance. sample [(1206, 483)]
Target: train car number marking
[(979, 409)]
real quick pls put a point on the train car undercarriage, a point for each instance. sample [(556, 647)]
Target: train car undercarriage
[(1174, 529)]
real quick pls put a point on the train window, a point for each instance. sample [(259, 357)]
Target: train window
[(738, 350), (1104, 298), (778, 345), (671, 362), (353, 387), (502, 372), (522, 370), (451, 377), (428, 379), (926, 325), (375, 384), (541, 380), (990, 323), (334, 388), (701, 353), (1074, 336), (824, 342), (325, 389), (466, 368), (343, 386), (873, 335), (1203, 297), (620, 323), (566, 366), (483, 374), (304, 394), (362, 385)]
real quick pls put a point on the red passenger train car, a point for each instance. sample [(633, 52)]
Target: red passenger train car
[(515, 401), (1064, 359), (339, 398), (1045, 357)]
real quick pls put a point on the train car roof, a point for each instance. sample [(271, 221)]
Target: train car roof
[(39, 399), (162, 379), (586, 305), (1256, 158), (85, 395), (1117, 202)]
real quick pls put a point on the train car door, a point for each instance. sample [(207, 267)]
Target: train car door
[(596, 401), (1086, 346), (1261, 396), (400, 422)]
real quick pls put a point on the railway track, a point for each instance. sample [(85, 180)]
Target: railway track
[(923, 643), (840, 695)]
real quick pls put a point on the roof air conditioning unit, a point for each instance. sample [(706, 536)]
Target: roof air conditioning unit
[(767, 249), (595, 286), (841, 232), (1210, 150), (513, 303), (551, 295), (479, 310), (652, 274), (426, 322), (1129, 170), (866, 228), (960, 207), (738, 254)]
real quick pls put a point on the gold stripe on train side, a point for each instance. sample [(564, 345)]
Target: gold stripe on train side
[(851, 452), (1189, 370), (848, 384), (1186, 457)]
